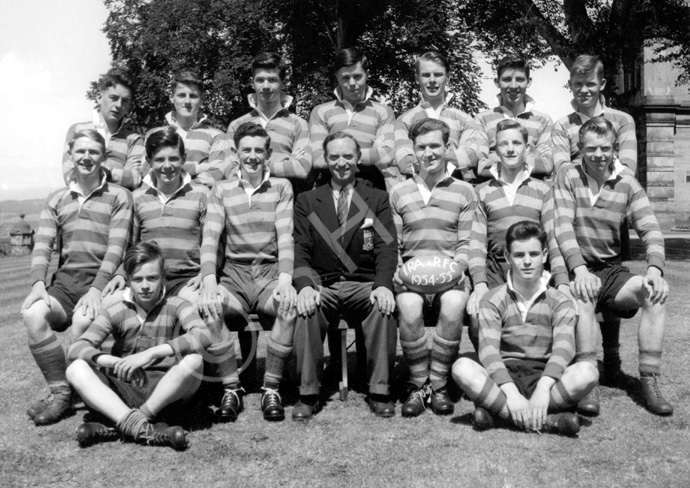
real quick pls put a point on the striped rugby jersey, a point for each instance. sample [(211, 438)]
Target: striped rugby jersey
[(546, 334), (257, 230), (93, 234), (289, 133), (442, 226), (463, 152), (589, 233), (123, 148), (566, 136)]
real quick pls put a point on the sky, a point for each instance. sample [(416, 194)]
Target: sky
[(50, 50)]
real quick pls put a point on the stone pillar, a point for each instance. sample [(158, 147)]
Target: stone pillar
[(682, 166)]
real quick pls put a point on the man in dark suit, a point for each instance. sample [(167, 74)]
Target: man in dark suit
[(345, 257)]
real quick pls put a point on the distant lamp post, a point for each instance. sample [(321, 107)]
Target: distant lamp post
[(21, 238)]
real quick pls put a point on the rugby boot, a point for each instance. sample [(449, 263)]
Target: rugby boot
[(565, 423), (416, 401), (272, 405), (60, 406), (231, 405), (656, 403), (90, 433), (589, 405), (482, 419), (441, 404)]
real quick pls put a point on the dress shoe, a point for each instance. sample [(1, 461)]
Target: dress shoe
[(416, 401), (272, 405), (231, 405), (60, 406), (565, 423), (161, 434), (482, 419), (589, 405), (656, 403), (381, 406), (441, 404), (90, 433), (305, 409)]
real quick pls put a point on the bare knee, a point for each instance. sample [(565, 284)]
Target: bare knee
[(410, 311), (35, 320), (193, 362), (80, 323), (462, 371), (76, 370)]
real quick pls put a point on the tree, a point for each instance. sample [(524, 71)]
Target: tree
[(617, 30), (218, 38)]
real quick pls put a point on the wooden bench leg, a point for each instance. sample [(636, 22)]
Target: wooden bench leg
[(343, 361)]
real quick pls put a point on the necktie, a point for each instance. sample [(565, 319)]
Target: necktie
[(342, 210)]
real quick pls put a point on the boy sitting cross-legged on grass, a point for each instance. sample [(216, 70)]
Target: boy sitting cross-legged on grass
[(526, 342), (152, 371)]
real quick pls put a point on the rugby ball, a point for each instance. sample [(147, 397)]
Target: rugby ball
[(430, 274)]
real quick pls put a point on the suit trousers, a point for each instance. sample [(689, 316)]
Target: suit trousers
[(351, 300)]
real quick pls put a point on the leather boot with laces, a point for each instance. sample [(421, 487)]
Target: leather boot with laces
[(60, 406), (272, 405), (565, 423), (416, 401), (161, 434), (231, 405), (656, 403), (90, 433)]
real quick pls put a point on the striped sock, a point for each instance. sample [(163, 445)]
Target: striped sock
[(560, 399), (150, 416), (226, 363), (416, 355), (650, 362), (50, 358), (493, 399), (443, 354), (133, 424), (276, 357)]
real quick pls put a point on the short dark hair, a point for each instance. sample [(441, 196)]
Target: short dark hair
[(507, 124), (349, 57), (435, 57), (165, 137), (512, 61), (116, 76), (600, 126), (250, 129), (92, 134), (269, 60), (523, 231), (586, 63), (340, 135), (141, 254), (424, 126), (187, 78)]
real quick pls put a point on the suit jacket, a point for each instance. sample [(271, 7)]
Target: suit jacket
[(366, 253)]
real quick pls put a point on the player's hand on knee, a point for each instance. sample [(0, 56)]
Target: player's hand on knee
[(656, 285), (116, 283), (286, 298), (307, 301), (475, 298), (38, 292), (384, 299), (90, 304), (586, 285), (210, 302)]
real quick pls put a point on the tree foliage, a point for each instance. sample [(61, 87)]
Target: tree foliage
[(218, 39), (617, 30)]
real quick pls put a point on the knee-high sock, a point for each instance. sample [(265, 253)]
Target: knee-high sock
[(416, 355), (443, 354), (610, 338), (132, 424), (50, 358), (492, 399), (650, 362), (276, 357), (226, 363), (559, 398)]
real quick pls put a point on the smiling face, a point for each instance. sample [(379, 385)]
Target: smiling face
[(166, 165), (267, 85), (432, 78), (253, 152), (526, 259), (114, 103), (186, 100), (587, 88), (146, 284), (511, 149), (430, 151), (353, 83), (597, 154), (87, 156), (342, 159), (513, 84)]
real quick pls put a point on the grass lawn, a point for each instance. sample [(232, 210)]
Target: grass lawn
[(345, 445)]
